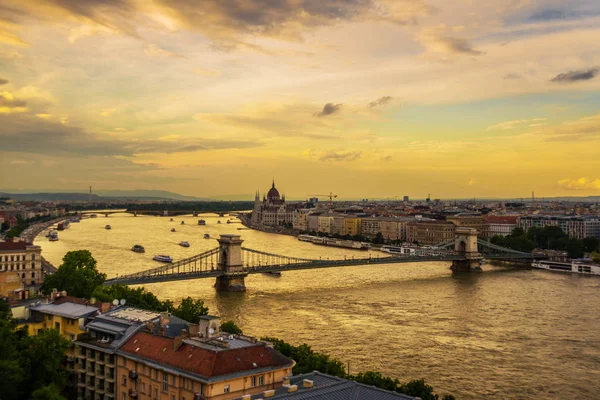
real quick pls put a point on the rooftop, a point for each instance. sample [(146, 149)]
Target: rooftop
[(67, 309), (193, 358), (327, 387), (15, 246)]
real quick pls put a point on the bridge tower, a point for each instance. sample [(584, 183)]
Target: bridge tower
[(466, 246), (230, 262)]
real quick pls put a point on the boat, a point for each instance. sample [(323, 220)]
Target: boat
[(171, 220), (52, 236), (93, 216), (201, 222), (273, 273), (397, 250), (138, 248), (228, 221), (182, 222), (348, 244), (173, 230), (184, 244), (107, 227), (582, 266), (53, 239), (162, 258), (219, 221), (206, 236)]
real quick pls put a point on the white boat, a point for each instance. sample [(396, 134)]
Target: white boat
[(53, 239), (173, 230), (305, 238), (201, 222), (219, 221), (162, 258), (52, 236), (184, 244), (107, 227), (579, 266), (397, 250)]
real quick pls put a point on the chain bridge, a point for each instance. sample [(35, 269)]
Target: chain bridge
[(230, 263)]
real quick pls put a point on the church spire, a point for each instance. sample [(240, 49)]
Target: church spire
[(273, 187)]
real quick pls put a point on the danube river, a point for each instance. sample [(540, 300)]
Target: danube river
[(504, 333)]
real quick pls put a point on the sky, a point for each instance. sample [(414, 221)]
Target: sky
[(362, 98)]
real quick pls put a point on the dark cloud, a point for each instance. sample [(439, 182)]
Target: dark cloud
[(574, 76), (457, 45), (512, 76), (9, 101), (341, 155), (548, 15), (28, 134), (3, 81), (381, 101), (328, 109)]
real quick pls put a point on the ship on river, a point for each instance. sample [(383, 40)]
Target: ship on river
[(324, 241)]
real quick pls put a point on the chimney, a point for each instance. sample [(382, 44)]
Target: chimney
[(164, 319), (104, 307), (292, 388), (54, 294), (269, 393), (307, 383), (184, 333)]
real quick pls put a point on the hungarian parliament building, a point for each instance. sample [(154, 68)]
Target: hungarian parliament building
[(272, 210)]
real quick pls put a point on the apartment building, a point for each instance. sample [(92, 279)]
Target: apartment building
[(187, 367), (324, 223), (468, 220), (370, 227), (430, 232), (300, 220), (23, 258), (577, 227), (351, 226)]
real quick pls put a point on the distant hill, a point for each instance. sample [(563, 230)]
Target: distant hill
[(157, 195)]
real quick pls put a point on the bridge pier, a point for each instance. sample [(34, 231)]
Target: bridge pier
[(466, 246), (230, 262)]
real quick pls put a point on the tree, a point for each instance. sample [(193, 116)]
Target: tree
[(591, 244), (43, 358), (230, 327), (49, 392), (376, 379), (138, 297), (596, 257), (379, 238), (190, 310), (418, 388), (11, 371), (77, 275)]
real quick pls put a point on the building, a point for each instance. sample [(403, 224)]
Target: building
[(316, 385), (577, 227), (324, 223), (351, 226), (23, 258), (370, 226), (394, 228), (499, 225), (313, 223), (12, 287), (337, 224), (300, 220), (272, 210), (200, 364), (430, 232), (468, 220), (96, 366)]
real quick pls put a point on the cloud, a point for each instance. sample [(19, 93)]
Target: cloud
[(333, 155), (381, 101), (579, 184), (206, 72), (472, 181), (154, 50), (548, 15), (386, 158), (574, 76), (506, 125), (512, 76), (10, 104), (582, 129), (30, 134), (435, 40), (107, 112), (3, 81), (328, 109)]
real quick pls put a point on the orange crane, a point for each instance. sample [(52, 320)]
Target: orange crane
[(330, 195)]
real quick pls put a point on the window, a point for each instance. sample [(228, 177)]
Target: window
[(226, 389), (123, 396), (33, 257), (165, 383), (173, 397), (124, 380), (32, 274), (143, 387), (173, 380), (253, 381), (155, 394), (261, 380)]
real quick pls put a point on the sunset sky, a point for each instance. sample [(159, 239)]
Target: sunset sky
[(365, 98)]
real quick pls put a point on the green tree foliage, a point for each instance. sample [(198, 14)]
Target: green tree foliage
[(78, 275), (29, 363), (596, 257), (230, 327), (548, 237), (379, 238), (190, 310), (376, 379), (418, 388), (50, 392), (138, 297), (591, 244)]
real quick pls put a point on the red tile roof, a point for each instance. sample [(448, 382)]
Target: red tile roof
[(201, 361), (12, 246)]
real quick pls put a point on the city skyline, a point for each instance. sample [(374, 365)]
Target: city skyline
[(359, 98)]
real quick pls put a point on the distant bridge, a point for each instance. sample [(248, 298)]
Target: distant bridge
[(160, 213), (230, 263)]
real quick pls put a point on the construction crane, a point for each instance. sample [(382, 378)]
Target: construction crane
[(330, 195)]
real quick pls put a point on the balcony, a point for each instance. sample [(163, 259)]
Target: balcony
[(133, 375), (133, 393)]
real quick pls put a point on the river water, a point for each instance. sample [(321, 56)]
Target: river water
[(504, 333)]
